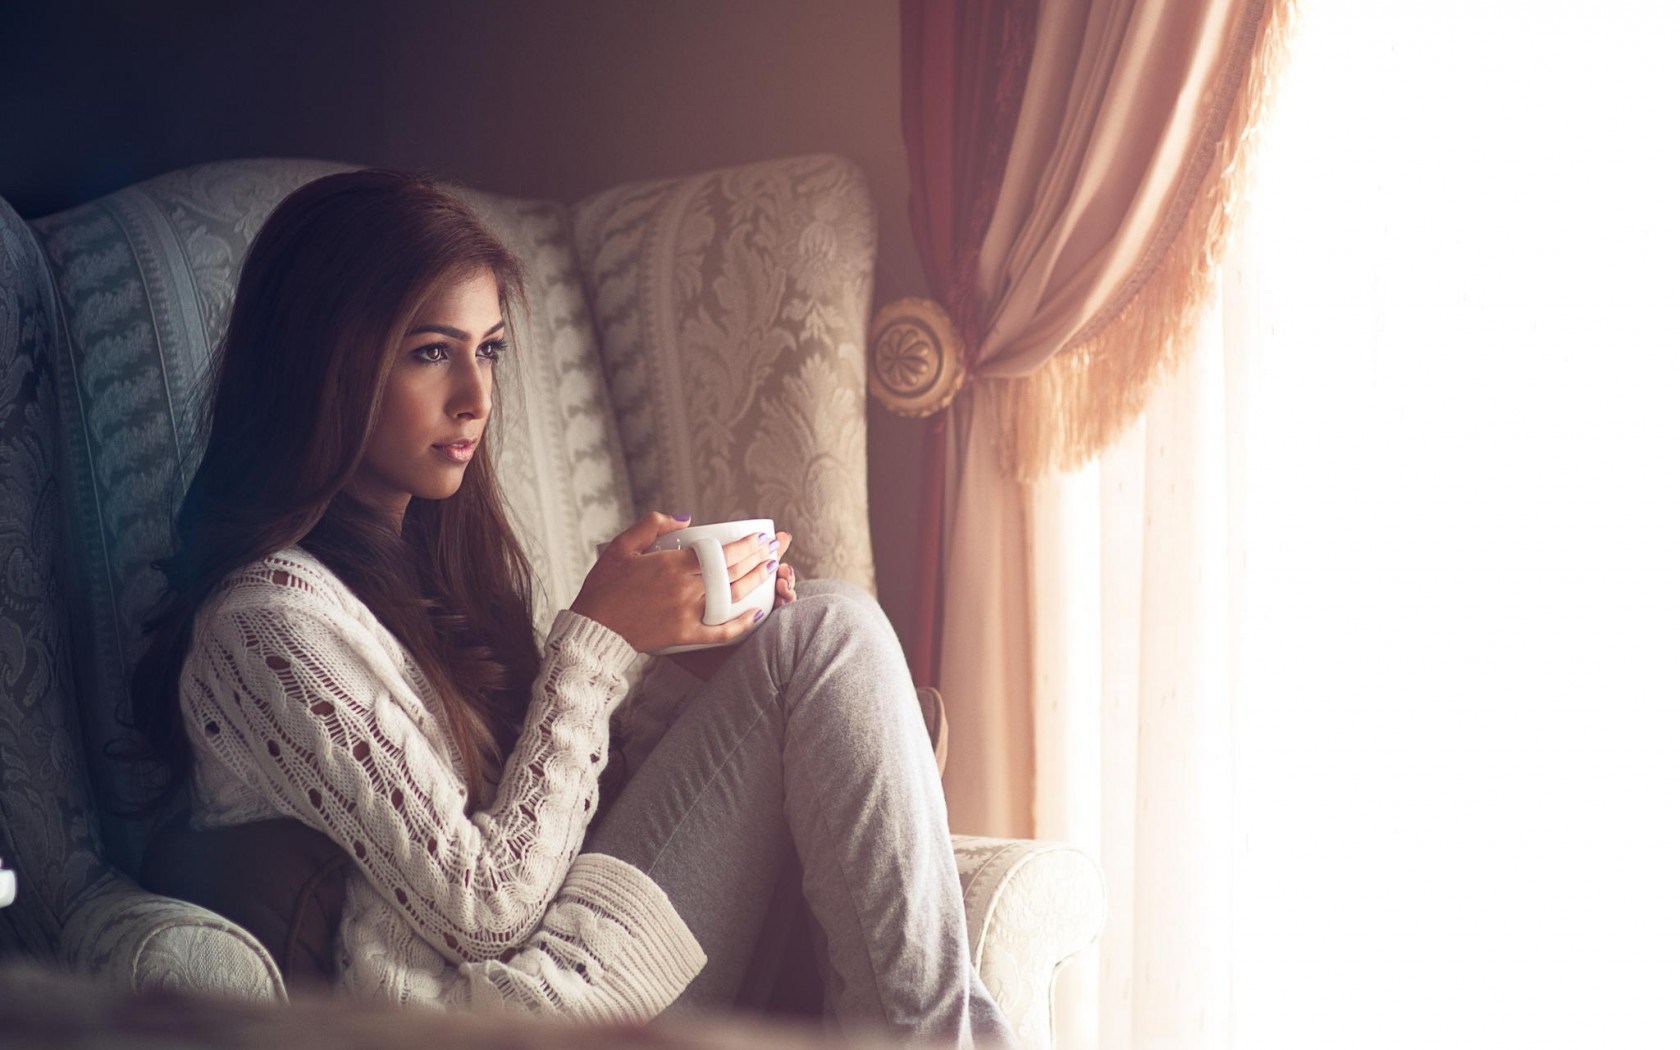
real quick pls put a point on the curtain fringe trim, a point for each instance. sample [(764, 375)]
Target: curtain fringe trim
[(1084, 398)]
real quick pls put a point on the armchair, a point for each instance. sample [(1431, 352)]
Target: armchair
[(693, 343)]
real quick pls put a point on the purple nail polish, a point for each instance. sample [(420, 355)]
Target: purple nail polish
[(771, 567), (759, 616), (683, 517)]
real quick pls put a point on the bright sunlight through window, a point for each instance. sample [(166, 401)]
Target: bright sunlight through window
[(1457, 724)]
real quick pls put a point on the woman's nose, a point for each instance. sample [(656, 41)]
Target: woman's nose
[(471, 395)]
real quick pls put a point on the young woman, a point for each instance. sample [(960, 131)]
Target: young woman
[(347, 640)]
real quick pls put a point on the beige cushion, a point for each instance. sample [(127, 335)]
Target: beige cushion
[(732, 309)]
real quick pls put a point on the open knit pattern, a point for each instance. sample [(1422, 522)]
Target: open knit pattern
[(299, 703)]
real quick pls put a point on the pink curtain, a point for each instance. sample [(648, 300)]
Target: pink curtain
[(964, 71), (1114, 205), (1114, 208)]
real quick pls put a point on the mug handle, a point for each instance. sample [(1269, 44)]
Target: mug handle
[(715, 572)]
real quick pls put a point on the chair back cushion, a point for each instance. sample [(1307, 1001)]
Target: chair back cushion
[(145, 279), (46, 837), (732, 309)]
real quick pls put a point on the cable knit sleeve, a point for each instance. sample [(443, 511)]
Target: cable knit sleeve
[(296, 692)]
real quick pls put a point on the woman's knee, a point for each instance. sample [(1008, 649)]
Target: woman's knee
[(836, 636), (852, 593), (824, 615), (844, 588)]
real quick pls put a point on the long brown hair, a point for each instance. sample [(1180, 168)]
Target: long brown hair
[(333, 279)]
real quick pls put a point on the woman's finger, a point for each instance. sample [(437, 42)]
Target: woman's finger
[(730, 629), (748, 552), (750, 582), (639, 537)]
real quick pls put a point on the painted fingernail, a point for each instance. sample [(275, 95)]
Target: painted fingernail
[(758, 616), (771, 567), (683, 517), (761, 537)]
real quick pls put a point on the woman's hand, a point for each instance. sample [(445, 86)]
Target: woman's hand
[(703, 663), (784, 573), (655, 599)]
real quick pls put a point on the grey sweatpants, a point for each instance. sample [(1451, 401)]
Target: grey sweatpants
[(809, 743)]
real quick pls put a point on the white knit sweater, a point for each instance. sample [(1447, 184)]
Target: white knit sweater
[(299, 703)]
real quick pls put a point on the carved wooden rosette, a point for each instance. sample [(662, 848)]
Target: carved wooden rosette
[(915, 357)]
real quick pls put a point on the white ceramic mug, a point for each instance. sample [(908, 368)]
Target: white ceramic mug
[(707, 543)]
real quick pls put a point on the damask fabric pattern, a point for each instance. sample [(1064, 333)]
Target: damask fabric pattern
[(124, 937), (1031, 906), (45, 823), (732, 309), (145, 277)]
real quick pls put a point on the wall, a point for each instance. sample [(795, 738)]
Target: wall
[(532, 97)]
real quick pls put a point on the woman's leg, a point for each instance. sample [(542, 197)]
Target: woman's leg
[(810, 738)]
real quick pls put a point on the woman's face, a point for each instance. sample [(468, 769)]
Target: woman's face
[(437, 399)]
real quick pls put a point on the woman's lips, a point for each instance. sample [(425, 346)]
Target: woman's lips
[(457, 452)]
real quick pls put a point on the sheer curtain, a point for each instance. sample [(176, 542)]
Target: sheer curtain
[(1136, 568), (1359, 670)]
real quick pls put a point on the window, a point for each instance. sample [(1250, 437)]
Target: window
[(1456, 739)]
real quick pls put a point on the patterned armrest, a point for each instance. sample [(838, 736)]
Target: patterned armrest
[(122, 936), (1031, 906)]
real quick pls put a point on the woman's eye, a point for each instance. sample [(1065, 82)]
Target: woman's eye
[(493, 350), (436, 353)]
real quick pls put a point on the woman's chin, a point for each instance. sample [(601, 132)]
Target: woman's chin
[(442, 492)]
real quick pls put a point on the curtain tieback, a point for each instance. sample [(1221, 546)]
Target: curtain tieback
[(915, 357)]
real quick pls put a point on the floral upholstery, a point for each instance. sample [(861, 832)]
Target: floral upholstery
[(1031, 906), (693, 344), (46, 831), (733, 309), (145, 280), (123, 937)]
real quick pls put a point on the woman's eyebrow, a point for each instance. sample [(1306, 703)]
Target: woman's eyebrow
[(453, 333)]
